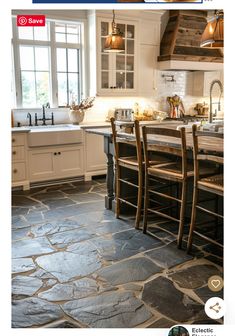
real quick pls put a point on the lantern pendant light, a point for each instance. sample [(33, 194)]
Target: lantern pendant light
[(213, 35), (114, 42)]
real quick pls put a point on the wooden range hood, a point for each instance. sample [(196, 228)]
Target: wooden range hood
[(180, 44)]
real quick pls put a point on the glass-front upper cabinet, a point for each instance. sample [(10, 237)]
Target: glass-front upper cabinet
[(117, 71)]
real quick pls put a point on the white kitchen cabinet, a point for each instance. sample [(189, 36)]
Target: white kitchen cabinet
[(94, 156), (19, 161), (132, 73), (117, 71), (147, 70), (202, 81), (50, 163)]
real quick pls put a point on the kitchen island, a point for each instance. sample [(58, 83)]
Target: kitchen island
[(208, 146)]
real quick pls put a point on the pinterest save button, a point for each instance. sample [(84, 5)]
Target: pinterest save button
[(31, 20)]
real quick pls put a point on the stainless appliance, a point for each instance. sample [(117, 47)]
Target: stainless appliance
[(123, 114)]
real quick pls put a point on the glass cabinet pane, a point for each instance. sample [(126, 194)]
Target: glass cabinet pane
[(104, 62), (130, 63), (120, 80), (117, 69), (104, 80), (130, 47), (120, 62), (130, 31), (122, 28), (129, 80), (104, 28)]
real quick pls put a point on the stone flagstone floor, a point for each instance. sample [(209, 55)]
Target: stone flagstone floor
[(76, 266)]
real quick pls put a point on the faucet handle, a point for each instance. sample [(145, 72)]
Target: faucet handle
[(36, 119)]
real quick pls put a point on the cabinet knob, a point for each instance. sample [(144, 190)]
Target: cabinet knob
[(14, 171), (59, 153), (55, 153), (14, 152), (13, 140)]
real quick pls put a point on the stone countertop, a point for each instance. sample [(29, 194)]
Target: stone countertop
[(84, 125), (207, 145), (23, 129)]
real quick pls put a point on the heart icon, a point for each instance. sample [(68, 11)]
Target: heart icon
[(215, 283)]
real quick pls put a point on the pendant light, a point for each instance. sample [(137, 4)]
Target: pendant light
[(114, 42), (213, 35)]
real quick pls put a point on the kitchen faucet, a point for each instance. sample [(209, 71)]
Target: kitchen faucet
[(216, 81), (44, 119), (30, 119)]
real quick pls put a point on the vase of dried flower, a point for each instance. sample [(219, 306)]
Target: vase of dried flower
[(76, 116)]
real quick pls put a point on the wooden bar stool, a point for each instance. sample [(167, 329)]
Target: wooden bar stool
[(212, 184), (133, 162), (176, 170)]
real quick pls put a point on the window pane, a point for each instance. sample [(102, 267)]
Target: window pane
[(28, 88), (73, 88), (62, 89), (41, 58), (60, 37), (72, 29), (72, 38), (41, 33), (72, 60), (61, 59), (25, 33), (60, 28), (42, 88), (26, 58)]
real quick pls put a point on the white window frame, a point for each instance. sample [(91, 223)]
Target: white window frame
[(52, 44)]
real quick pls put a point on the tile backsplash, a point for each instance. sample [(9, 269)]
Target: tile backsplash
[(169, 83)]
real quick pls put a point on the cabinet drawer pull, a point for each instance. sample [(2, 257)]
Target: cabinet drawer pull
[(14, 152), (15, 171)]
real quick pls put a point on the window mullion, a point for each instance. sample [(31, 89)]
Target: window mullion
[(67, 75), (16, 55), (35, 73), (53, 67)]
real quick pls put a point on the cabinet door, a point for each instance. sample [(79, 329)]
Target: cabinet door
[(18, 172), (117, 71), (95, 157), (71, 162), (147, 70), (43, 164)]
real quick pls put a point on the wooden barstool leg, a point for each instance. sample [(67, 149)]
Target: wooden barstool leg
[(139, 200), (182, 213), (193, 218), (118, 186), (146, 203)]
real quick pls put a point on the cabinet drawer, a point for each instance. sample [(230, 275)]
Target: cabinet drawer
[(18, 172), (18, 153), (18, 139)]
